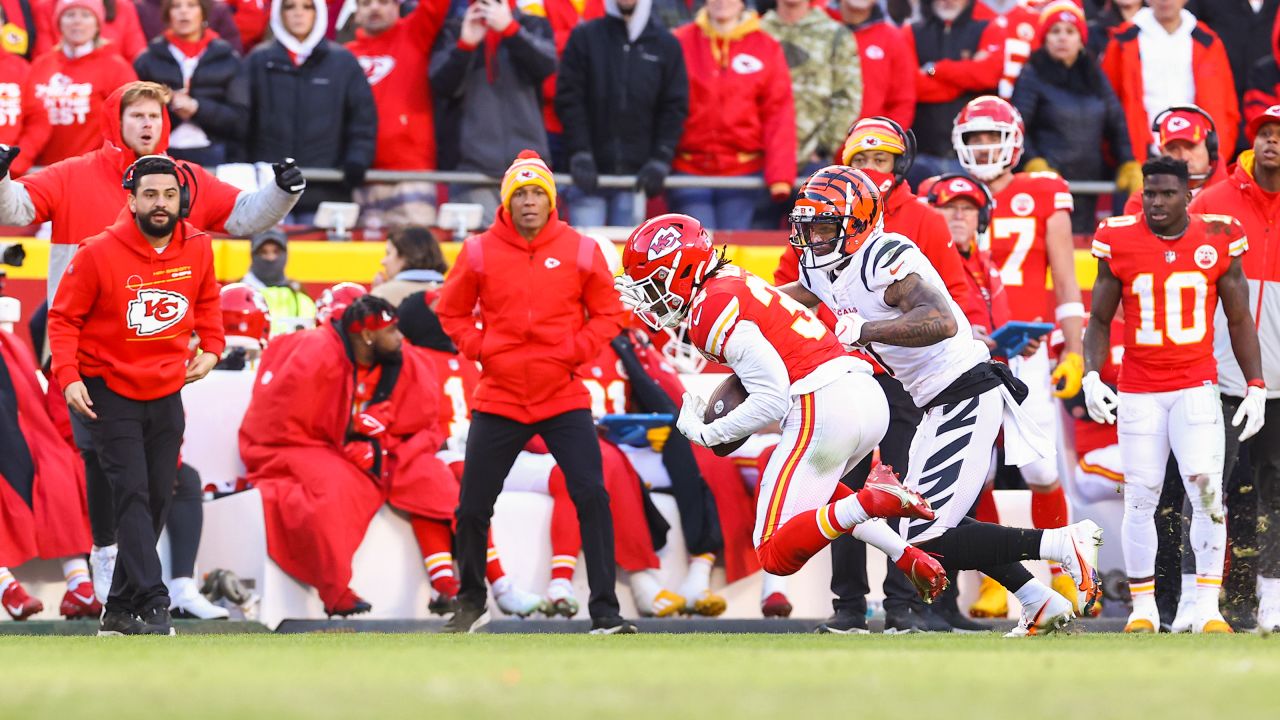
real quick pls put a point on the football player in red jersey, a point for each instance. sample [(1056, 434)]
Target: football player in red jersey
[(1171, 268), (796, 373), (1030, 234)]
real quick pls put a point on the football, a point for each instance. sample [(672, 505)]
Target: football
[(727, 396)]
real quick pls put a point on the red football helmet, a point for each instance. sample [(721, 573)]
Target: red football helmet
[(334, 300), (988, 114), (245, 317), (663, 263), (837, 210)]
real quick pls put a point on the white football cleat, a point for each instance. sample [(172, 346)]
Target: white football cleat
[(1081, 562), (1054, 614), (560, 600), (102, 561), (185, 601), (1269, 614), (518, 602), (1184, 621)]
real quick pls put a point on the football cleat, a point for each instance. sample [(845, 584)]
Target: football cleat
[(561, 600), (1140, 623), (1184, 620), (1081, 561), (775, 606), (1269, 614), (924, 572), (102, 560), (667, 603), (520, 603), (1212, 625), (706, 604), (186, 602), (349, 604), (1066, 587), (79, 602), (18, 603), (884, 497), (993, 600), (1053, 614), (467, 619)]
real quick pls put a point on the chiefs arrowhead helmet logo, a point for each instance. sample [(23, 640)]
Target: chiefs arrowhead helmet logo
[(664, 242)]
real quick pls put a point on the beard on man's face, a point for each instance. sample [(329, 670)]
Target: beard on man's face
[(383, 356), (154, 227)]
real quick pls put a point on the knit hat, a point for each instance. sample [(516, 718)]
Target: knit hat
[(528, 169), (873, 134), (93, 6), (1270, 115), (275, 235), (1062, 11)]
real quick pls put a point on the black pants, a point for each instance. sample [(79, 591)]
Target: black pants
[(849, 556), (102, 509), (492, 446), (137, 444), (185, 522)]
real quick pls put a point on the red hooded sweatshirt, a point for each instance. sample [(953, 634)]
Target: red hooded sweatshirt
[(82, 195), (125, 313), (124, 33), (531, 296), (13, 75), (396, 64), (62, 100)]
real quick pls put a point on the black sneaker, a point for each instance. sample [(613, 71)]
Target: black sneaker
[(116, 623), (443, 605), (932, 620), (467, 619), (613, 626), (902, 622), (958, 621), (844, 623), (157, 621)]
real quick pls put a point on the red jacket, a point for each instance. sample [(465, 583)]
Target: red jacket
[(1019, 25), (13, 75), (251, 18), (741, 112), (396, 64), (125, 313), (888, 72), (531, 333), (983, 278), (1215, 88), (82, 195), (124, 33), (62, 100), (564, 17)]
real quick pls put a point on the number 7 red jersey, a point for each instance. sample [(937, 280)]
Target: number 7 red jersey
[(1169, 296), (1019, 245)]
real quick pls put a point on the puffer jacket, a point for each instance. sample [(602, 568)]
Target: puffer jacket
[(219, 84)]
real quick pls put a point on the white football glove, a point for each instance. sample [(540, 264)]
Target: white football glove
[(690, 422), (1252, 412), (1099, 399), (627, 291), (849, 330)]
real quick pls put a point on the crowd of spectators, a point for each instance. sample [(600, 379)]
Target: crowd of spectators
[(650, 88)]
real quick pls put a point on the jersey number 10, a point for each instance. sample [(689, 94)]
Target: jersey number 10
[(1178, 283)]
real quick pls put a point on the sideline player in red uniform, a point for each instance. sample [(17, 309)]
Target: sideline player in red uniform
[(796, 373), (1171, 267), (1030, 234)]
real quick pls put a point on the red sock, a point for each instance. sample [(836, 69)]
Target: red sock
[(1049, 509), (800, 538), (566, 538), (435, 540), (493, 571), (986, 511)]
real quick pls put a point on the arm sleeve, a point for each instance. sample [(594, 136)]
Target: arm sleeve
[(605, 314), (673, 107), (77, 294), (571, 94), (425, 22), (449, 63), (16, 205), (763, 373), (777, 107), (209, 324), (533, 48), (361, 117), (456, 309)]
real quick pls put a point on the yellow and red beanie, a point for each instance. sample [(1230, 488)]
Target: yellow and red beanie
[(872, 134), (528, 169), (1062, 11)]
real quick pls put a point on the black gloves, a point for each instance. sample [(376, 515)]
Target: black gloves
[(651, 177), (289, 177), (353, 175), (582, 168), (7, 154)]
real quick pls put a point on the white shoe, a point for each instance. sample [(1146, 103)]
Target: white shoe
[(185, 601), (1184, 621), (1141, 623), (1269, 615), (1082, 561), (1211, 624), (1052, 615), (520, 603), (102, 562), (560, 600)]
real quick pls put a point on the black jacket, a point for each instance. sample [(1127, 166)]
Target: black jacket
[(937, 40), (1070, 116), (624, 102), (1245, 34), (320, 113), (219, 84)]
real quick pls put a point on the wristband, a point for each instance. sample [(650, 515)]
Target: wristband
[(1069, 310), (1258, 383)]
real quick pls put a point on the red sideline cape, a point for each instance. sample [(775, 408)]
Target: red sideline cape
[(317, 504), (56, 524)]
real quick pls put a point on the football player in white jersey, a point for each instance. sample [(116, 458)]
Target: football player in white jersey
[(891, 303)]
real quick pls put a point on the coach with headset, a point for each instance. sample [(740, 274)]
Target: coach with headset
[(119, 329)]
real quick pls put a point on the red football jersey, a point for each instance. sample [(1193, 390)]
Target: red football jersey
[(458, 379), (1017, 235), (607, 382), (735, 295), (1170, 294)]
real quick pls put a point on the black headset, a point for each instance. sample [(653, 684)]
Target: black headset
[(1210, 138), (186, 179), (984, 212)]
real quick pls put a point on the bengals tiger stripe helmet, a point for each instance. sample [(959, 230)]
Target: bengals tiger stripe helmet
[(837, 210)]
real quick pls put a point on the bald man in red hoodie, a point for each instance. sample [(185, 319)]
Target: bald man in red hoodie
[(119, 329)]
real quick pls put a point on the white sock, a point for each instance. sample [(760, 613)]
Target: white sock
[(772, 584), (1188, 589), (1267, 587), (698, 579), (6, 579), (644, 588), (849, 512), (501, 586), (1031, 594), (1144, 599), (559, 588), (1208, 588), (879, 535), (75, 570), (1055, 544)]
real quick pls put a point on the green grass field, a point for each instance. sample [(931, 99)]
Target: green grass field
[(644, 676)]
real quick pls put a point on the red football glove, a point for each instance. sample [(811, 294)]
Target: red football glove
[(360, 453), (373, 421)]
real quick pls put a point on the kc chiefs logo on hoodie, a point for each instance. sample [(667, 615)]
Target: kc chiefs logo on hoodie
[(154, 311)]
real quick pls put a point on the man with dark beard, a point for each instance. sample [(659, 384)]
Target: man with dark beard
[(118, 330), (344, 418)]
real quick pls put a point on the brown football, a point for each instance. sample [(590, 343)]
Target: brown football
[(729, 395)]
